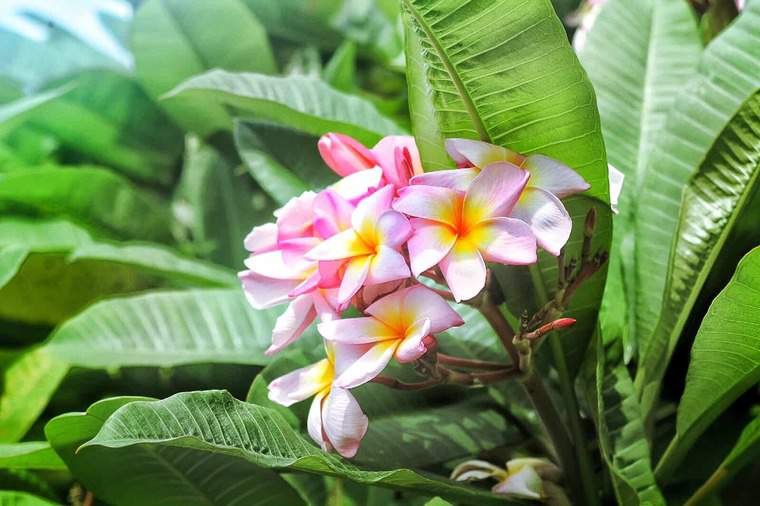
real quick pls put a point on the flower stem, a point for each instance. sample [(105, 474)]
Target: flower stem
[(501, 326), (469, 363)]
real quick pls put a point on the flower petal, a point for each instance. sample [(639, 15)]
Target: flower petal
[(353, 277), (399, 158), (392, 229), (295, 218), (457, 179), (272, 264), (443, 205), (262, 238), (314, 421), (524, 483), (506, 241), (494, 192), (301, 383), (470, 153), (292, 323), (332, 213), (364, 218), (325, 304), (464, 270), (343, 421), (430, 242), (411, 347), (346, 244), (547, 217), (344, 155), (423, 303), (387, 265), (554, 176), (362, 330), (359, 184), (263, 292), (369, 365)]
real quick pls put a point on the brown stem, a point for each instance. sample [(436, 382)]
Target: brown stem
[(400, 385), (478, 378), (88, 499), (500, 324), (469, 363)]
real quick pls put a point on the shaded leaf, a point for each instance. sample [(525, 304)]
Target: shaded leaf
[(14, 498), (31, 455)]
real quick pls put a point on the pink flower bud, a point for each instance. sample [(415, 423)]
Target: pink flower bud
[(344, 155)]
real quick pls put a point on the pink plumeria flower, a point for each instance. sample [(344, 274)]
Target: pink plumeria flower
[(396, 327), (370, 248), (539, 205), (459, 231), (335, 418)]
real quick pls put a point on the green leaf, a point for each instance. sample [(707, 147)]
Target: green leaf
[(165, 329), (29, 380), (14, 113), (745, 452), (215, 201), (340, 71), (217, 424), (31, 455), (691, 141), (280, 183), (622, 438), (725, 359), (11, 258), (173, 40), (298, 102), (504, 72), (14, 498), (715, 201), (107, 117), (156, 474), (91, 196), (438, 426), (636, 83)]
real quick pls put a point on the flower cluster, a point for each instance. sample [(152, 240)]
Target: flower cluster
[(365, 242)]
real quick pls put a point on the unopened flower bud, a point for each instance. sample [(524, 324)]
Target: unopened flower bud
[(344, 155)]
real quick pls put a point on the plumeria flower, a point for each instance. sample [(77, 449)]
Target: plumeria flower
[(460, 230), (396, 327), (370, 248), (539, 205), (522, 477), (335, 418), (396, 156), (616, 179)]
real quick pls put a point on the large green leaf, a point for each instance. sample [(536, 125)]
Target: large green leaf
[(153, 474), (29, 380), (622, 438), (636, 80), (165, 329), (303, 103), (717, 198), (30, 455), (14, 113), (504, 72), (217, 424), (725, 359), (728, 75), (215, 202), (107, 117), (91, 196), (173, 40)]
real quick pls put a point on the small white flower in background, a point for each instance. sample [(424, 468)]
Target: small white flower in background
[(583, 18), (616, 186), (522, 477)]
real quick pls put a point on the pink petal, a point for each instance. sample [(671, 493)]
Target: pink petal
[(547, 217), (362, 330), (392, 229), (292, 323), (301, 383), (411, 347), (464, 270), (399, 158), (389, 311), (329, 273), (505, 240), (494, 192), (431, 202), (332, 213), (364, 219), (430, 242), (553, 176), (457, 179), (314, 421), (346, 244), (263, 292), (262, 238), (369, 365), (343, 422), (359, 184), (325, 303), (354, 276), (387, 265), (294, 251), (425, 304), (470, 153), (272, 264), (344, 154), (371, 293), (295, 218)]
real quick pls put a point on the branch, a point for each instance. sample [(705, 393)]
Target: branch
[(469, 363)]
